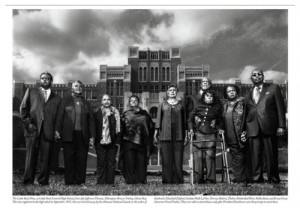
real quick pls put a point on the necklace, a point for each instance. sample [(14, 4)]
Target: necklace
[(231, 104), (172, 102)]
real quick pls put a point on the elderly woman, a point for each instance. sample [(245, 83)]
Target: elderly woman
[(204, 121), (171, 121), (235, 136), (78, 131), (137, 131)]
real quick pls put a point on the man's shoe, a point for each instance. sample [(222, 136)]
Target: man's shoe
[(209, 181), (274, 181)]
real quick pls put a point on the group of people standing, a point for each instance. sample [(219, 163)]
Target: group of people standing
[(250, 125)]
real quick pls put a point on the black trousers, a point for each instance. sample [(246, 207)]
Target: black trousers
[(37, 148), (204, 154), (106, 163), (75, 159), (54, 167), (240, 163), (134, 162), (172, 161), (266, 145)]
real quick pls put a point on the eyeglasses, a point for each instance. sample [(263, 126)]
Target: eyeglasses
[(45, 78), (256, 74)]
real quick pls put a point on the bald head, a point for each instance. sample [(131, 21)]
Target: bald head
[(257, 76)]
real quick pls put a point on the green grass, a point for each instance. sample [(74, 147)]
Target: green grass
[(153, 187)]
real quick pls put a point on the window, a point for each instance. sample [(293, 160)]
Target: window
[(154, 74), (163, 74), (165, 55), (110, 89), (151, 89), (87, 94), (142, 74), (197, 86), (145, 74), (189, 88), (163, 88), (166, 74), (154, 55), (119, 88), (153, 112), (140, 89), (143, 55), (120, 107), (145, 88)]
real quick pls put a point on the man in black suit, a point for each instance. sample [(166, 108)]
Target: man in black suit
[(265, 120), (40, 112), (77, 132)]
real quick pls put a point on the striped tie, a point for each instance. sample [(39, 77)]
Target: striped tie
[(45, 95)]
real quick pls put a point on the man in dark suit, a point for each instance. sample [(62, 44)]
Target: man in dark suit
[(40, 112), (265, 120), (77, 132), (107, 141)]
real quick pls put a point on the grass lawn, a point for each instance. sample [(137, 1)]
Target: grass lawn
[(153, 187)]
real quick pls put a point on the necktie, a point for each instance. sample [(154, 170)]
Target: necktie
[(45, 95), (256, 94)]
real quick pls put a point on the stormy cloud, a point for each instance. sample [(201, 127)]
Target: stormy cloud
[(71, 44)]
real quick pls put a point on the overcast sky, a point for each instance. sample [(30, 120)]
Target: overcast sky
[(71, 44)]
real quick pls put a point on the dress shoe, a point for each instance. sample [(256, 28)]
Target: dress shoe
[(274, 181), (258, 181), (43, 184), (27, 183), (207, 181)]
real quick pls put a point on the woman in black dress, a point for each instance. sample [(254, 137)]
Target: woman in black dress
[(235, 134), (137, 131)]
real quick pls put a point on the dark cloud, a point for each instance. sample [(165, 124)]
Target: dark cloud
[(82, 34), (260, 40), (18, 11), (131, 22), (70, 42)]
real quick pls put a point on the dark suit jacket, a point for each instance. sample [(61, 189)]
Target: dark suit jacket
[(115, 137), (44, 116), (268, 114), (87, 120)]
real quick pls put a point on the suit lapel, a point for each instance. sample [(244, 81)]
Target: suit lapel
[(41, 95), (50, 96), (251, 101)]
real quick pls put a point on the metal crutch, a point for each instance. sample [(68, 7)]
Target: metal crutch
[(191, 162), (224, 157)]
